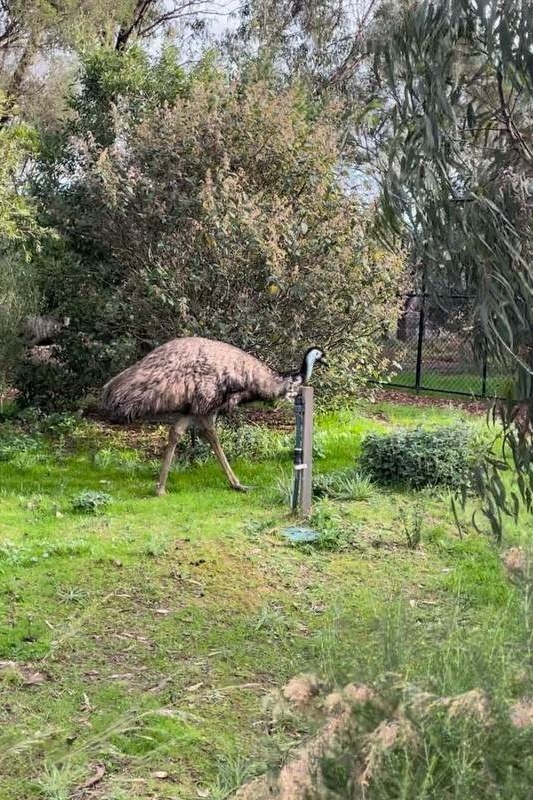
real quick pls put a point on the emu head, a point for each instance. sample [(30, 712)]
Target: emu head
[(313, 356), (295, 381)]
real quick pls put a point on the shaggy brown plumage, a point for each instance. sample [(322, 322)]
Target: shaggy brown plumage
[(192, 376), (190, 380)]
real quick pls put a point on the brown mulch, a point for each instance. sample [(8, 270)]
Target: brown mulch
[(280, 419), (150, 438), (409, 398)]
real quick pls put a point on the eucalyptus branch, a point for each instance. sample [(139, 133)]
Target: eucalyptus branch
[(514, 133)]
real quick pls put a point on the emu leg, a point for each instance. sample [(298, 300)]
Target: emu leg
[(176, 432), (210, 435)]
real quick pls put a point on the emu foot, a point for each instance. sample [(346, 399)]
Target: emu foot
[(239, 487)]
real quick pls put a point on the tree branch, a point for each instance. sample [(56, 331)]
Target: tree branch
[(185, 8), (514, 134), (176, 14), (11, 28), (352, 60), (503, 106), (126, 31)]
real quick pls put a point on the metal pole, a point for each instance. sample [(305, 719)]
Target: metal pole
[(302, 494), (298, 450), (484, 374), (307, 448), (418, 376)]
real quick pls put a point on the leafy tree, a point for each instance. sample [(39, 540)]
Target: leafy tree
[(19, 233), (51, 34), (320, 41), (18, 143), (219, 215), (120, 88), (75, 23)]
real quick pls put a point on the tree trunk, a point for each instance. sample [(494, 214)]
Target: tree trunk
[(15, 85)]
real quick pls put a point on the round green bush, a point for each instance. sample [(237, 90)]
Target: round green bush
[(420, 457)]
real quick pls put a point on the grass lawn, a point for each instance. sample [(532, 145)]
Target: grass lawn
[(469, 383), (137, 644)]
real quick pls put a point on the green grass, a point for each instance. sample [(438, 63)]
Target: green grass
[(158, 624), (465, 383)]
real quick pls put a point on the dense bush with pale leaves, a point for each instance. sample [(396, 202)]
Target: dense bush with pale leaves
[(217, 214)]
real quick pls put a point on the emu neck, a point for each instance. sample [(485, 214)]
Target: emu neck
[(307, 368)]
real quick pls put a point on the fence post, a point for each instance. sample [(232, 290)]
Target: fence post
[(307, 446), (484, 373), (303, 451), (418, 374), (298, 450)]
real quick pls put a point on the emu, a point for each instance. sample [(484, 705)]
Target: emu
[(189, 381)]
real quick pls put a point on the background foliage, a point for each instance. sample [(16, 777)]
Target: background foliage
[(216, 210), (19, 234)]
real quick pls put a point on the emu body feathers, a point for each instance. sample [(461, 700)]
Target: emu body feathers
[(192, 376)]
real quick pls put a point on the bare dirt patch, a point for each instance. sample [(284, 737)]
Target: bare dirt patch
[(522, 714), (410, 398), (516, 562)]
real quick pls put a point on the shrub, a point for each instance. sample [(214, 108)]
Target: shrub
[(58, 425), (269, 232), (343, 485), (14, 447), (253, 442), (416, 458), (19, 234), (90, 502), (411, 523), (45, 385), (127, 461)]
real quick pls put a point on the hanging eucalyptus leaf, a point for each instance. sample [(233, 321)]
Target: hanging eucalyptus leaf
[(458, 179)]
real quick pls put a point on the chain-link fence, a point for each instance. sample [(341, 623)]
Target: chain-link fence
[(437, 347)]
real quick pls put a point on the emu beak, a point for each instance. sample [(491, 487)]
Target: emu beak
[(324, 362)]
